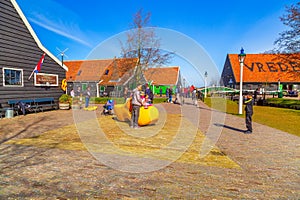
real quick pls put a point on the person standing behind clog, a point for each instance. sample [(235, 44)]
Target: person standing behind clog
[(137, 102)]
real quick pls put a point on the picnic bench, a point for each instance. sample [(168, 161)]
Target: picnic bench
[(2, 111), (32, 105), (45, 103), (15, 105)]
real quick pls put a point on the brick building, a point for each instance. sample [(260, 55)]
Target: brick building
[(268, 71)]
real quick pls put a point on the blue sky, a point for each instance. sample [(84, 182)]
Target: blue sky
[(219, 27)]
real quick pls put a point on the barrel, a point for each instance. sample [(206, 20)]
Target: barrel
[(9, 113)]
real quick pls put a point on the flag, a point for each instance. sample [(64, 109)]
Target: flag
[(38, 66)]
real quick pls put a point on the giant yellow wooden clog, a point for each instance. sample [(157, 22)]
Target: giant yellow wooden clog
[(91, 108), (122, 112), (147, 116)]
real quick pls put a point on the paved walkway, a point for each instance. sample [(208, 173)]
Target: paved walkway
[(268, 160)]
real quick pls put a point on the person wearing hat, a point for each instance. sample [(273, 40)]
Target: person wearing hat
[(249, 112)]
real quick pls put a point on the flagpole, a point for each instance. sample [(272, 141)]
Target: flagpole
[(38, 66), (31, 73)]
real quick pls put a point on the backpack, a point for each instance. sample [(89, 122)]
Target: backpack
[(151, 95)]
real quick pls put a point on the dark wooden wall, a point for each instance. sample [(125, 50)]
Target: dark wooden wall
[(19, 50), (227, 74)]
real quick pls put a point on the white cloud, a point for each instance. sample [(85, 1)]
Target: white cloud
[(61, 30), (56, 18)]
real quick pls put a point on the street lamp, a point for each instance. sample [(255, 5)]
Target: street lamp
[(205, 93), (242, 57), (183, 92)]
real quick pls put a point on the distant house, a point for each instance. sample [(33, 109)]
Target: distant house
[(109, 76), (163, 78), (102, 76), (20, 52), (266, 71)]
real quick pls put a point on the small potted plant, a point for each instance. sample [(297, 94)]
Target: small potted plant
[(64, 102)]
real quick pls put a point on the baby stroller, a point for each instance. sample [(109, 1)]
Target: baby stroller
[(108, 107)]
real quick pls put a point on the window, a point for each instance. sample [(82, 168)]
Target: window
[(84, 86), (106, 72), (12, 77)]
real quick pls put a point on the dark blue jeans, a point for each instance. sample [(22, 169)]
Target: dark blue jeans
[(249, 121), (135, 113), (87, 102)]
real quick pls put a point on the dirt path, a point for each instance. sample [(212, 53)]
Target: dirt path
[(268, 160)]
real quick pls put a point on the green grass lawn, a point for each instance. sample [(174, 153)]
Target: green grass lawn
[(284, 119)]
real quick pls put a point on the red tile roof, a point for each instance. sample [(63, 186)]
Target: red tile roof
[(267, 67), (163, 75), (117, 69), (86, 70), (94, 70)]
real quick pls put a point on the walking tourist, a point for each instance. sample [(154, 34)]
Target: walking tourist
[(87, 97), (167, 94), (72, 93), (170, 95), (78, 92)]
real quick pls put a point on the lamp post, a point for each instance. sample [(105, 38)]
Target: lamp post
[(183, 87), (205, 93), (241, 57)]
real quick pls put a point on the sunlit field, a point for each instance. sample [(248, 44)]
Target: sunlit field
[(284, 119)]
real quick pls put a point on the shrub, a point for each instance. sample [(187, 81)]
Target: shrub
[(64, 98), (159, 100), (284, 103)]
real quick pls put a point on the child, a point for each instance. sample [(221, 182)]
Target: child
[(108, 107)]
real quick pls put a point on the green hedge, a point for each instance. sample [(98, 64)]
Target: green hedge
[(103, 100), (159, 100), (284, 103)]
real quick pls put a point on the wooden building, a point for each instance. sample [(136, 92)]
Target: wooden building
[(111, 76), (268, 71), (163, 78), (102, 76), (20, 52)]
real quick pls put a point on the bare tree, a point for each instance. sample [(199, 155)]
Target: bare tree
[(142, 43), (289, 40), (287, 46)]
